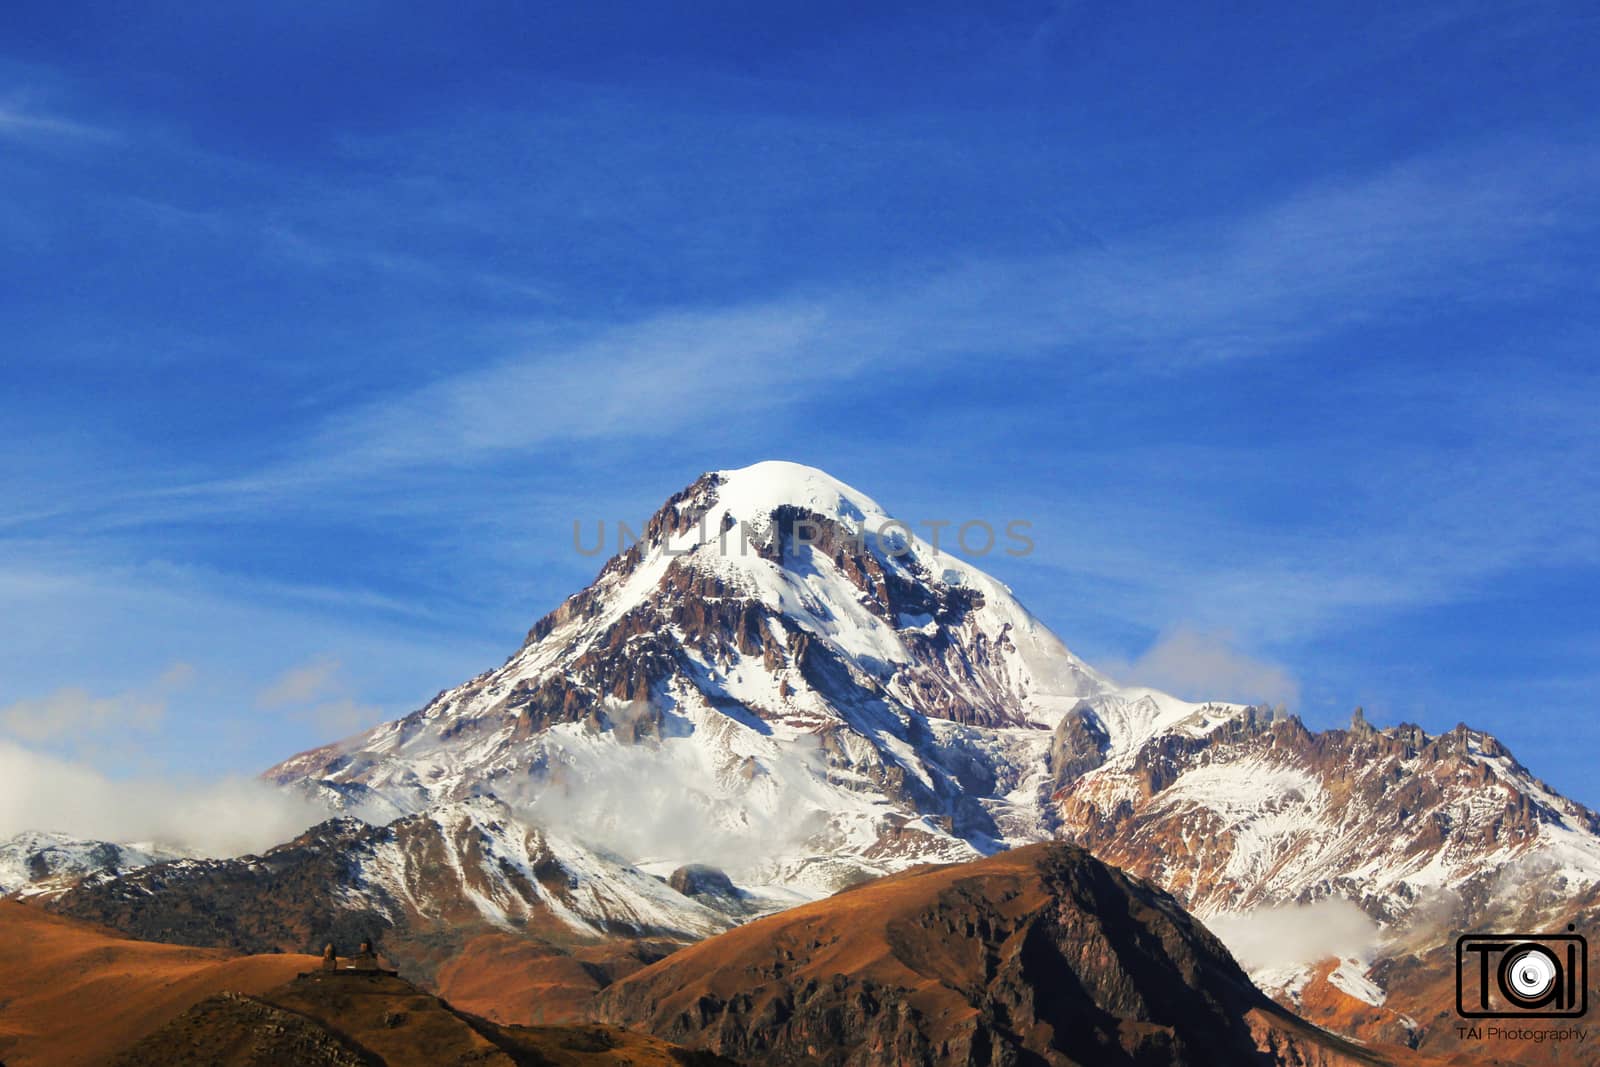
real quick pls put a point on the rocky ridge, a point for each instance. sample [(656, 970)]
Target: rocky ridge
[(420, 887), (1039, 955)]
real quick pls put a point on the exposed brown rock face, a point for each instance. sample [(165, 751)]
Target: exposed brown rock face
[(1078, 746), (1041, 955)]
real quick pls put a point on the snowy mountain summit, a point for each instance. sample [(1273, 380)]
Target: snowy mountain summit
[(777, 679), (780, 681)]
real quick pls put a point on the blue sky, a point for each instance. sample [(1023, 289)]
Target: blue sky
[(1276, 321)]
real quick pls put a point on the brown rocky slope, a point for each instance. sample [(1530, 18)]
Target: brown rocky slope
[(378, 1020), (72, 994), (1041, 955)]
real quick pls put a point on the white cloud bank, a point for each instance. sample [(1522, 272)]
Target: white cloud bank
[(228, 817), (667, 801), (50, 747), (1293, 936)]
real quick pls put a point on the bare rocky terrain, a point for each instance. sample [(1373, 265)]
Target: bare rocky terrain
[(1039, 955)]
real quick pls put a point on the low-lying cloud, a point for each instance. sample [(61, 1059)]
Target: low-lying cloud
[(228, 817), (1296, 935), (664, 801), (52, 749)]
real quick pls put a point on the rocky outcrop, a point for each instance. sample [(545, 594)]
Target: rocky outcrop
[(1078, 746), (698, 879), (242, 1031)]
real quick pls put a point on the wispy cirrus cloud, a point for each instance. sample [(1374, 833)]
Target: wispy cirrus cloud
[(19, 121), (302, 683), (1259, 285), (1262, 284)]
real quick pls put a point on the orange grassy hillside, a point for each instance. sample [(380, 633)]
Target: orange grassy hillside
[(379, 1020), (512, 978), (71, 993)]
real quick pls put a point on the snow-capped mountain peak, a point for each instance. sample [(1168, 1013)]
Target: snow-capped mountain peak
[(809, 546), (788, 652), (781, 679)]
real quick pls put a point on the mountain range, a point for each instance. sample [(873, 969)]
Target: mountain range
[(780, 692)]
